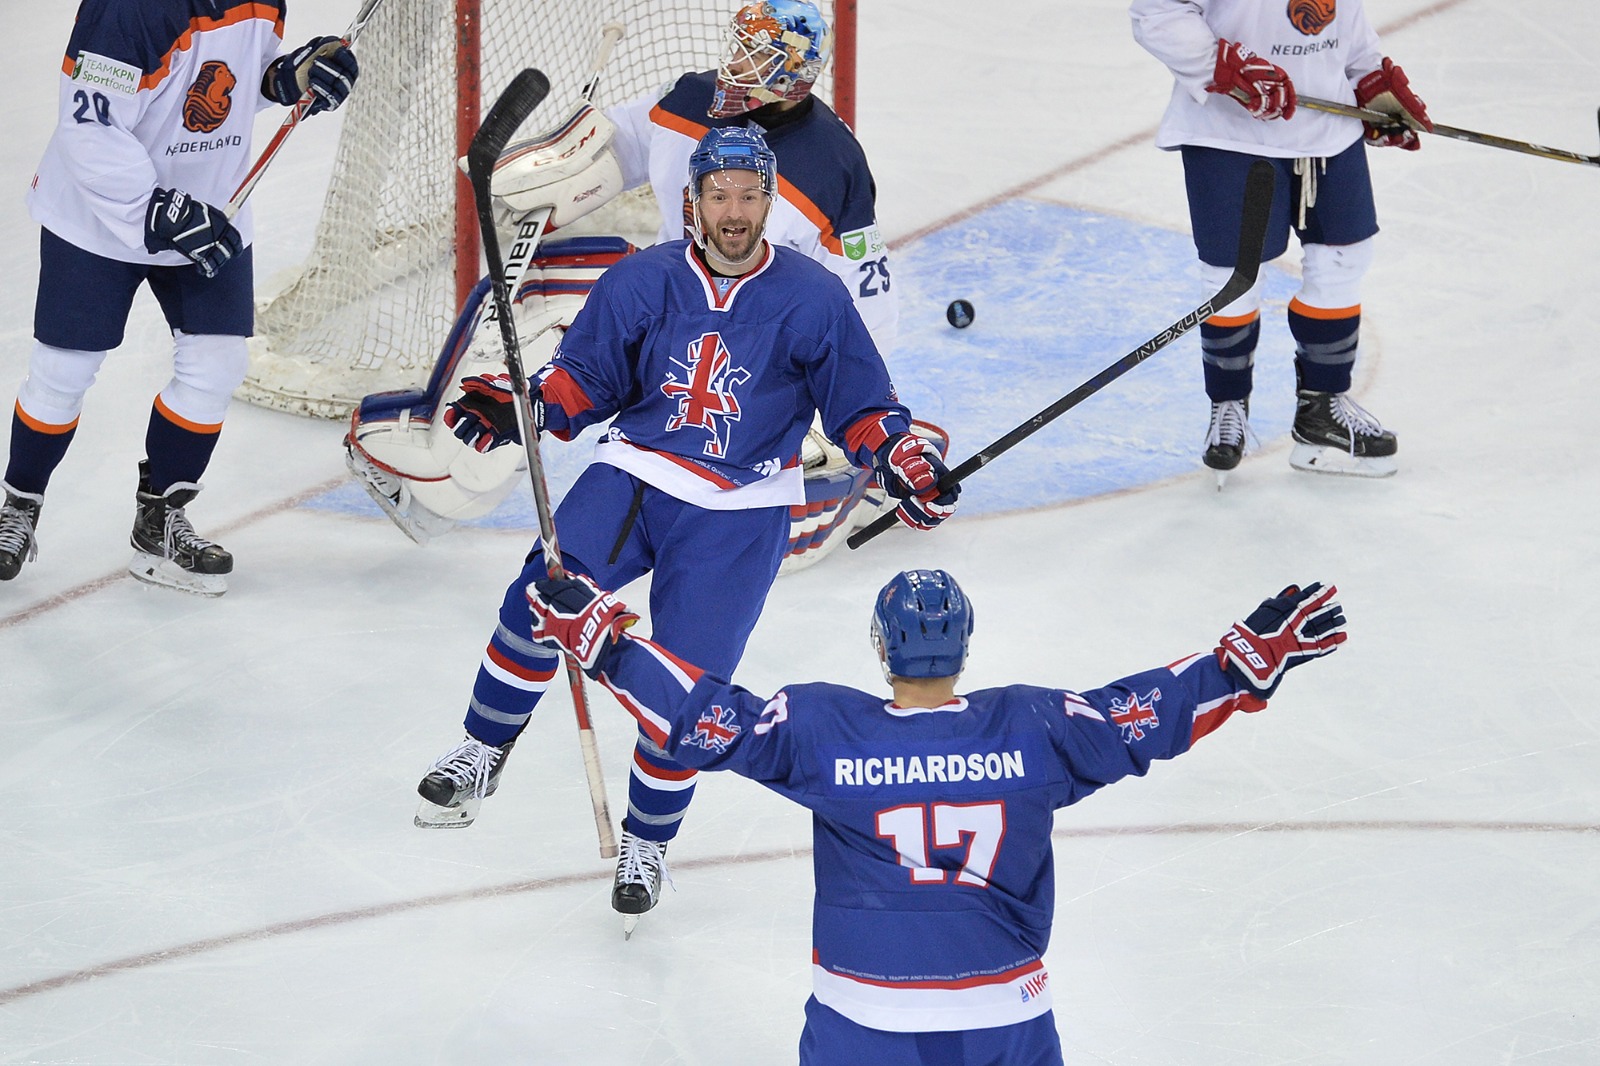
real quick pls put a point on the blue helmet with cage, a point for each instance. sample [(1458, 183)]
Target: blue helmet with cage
[(733, 148), (775, 50), (920, 625)]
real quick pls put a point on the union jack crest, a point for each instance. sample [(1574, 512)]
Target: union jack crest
[(705, 394), (1136, 714), (715, 730)]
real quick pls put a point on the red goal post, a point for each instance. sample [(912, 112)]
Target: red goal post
[(396, 243)]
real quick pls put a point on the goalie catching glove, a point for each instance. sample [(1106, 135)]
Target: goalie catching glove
[(1388, 89), (910, 469), (574, 613), (486, 415), (1293, 627)]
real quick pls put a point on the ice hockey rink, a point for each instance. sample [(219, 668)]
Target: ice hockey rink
[(207, 857)]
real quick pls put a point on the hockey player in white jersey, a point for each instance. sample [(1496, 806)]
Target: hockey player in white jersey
[(825, 208), (1237, 66), (157, 102), (932, 811)]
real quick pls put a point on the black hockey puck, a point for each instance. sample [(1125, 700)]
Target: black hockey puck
[(959, 314)]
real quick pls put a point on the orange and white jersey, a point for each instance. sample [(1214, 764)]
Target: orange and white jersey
[(1324, 47), (826, 207), (154, 93)]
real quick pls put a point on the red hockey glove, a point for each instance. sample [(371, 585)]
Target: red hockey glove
[(574, 613), (1263, 88), (1388, 89), (1295, 626), (486, 415), (910, 469)]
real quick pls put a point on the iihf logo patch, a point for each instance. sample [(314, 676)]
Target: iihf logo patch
[(1135, 715), (1034, 986), (715, 730)]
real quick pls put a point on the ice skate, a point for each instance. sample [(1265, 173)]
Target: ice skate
[(391, 493), (458, 783), (166, 549), (1335, 435), (19, 517), (640, 866), (1225, 438)]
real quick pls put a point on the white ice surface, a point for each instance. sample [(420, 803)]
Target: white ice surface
[(207, 855)]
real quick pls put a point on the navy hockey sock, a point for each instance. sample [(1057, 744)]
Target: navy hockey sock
[(1325, 345), (178, 450), (1228, 353), (36, 450)]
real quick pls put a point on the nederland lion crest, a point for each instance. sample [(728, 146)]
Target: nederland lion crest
[(206, 105), (1311, 17)]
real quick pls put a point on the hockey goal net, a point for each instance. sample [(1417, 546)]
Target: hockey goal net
[(396, 245)]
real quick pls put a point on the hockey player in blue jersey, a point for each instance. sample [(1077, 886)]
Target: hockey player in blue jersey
[(710, 357), (153, 137), (932, 811)]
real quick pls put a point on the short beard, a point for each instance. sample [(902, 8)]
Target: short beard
[(727, 254)]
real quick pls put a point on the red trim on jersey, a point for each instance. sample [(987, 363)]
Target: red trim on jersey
[(563, 389), (967, 982), (867, 432), (716, 299)]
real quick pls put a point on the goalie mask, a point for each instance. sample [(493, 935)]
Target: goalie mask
[(920, 625), (775, 50)]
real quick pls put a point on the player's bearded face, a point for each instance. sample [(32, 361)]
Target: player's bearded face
[(733, 213)]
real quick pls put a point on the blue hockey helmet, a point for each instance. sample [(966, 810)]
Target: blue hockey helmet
[(775, 50), (920, 625), (733, 148)]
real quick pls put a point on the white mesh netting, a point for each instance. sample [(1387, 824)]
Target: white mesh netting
[(371, 305)]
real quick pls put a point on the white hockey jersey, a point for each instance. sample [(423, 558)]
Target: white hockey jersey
[(826, 204), (154, 93), (1325, 47)]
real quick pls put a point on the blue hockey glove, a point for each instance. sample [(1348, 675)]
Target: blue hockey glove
[(575, 614), (176, 221), (1293, 627), (323, 64), (909, 468), (486, 416)]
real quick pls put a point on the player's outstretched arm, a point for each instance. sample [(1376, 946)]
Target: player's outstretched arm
[(1291, 628)]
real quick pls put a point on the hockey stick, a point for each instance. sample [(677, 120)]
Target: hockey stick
[(296, 113), (1383, 118), (1258, 186), (526, 91)]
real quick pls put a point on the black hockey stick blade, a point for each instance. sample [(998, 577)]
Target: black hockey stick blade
[(526, 92), (1258, 190)]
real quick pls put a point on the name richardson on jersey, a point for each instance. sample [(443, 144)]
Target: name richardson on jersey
[(977, 767)]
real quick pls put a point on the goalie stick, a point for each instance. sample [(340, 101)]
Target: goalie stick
[(1383, 118), (1258, 186), (296, 113), (526, 91)]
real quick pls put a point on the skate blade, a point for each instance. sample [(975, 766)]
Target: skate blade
[(419, 528), (1321, 459), (164, 573), (432, 816), (630, 922)]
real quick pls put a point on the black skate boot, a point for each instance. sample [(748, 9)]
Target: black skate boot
[(167, 551), (1335, 435), (640, 866), (19, 517), (458, 783), (1225, 438)]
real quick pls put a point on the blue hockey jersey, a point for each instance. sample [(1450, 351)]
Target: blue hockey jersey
[(934, 871), (714, 381)]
